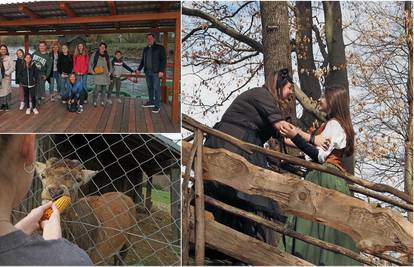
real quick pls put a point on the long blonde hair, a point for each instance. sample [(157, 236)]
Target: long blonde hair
[(84, 52)]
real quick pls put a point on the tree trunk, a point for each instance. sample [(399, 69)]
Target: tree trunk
[(374, 229), (306, 63), (408, 167), (337, 73), (276, 41)]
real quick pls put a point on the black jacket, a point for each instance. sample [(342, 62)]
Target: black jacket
[(28, 75), (19, 65), (65, 63), (159, 58)]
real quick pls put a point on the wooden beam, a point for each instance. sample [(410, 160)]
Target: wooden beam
[(200, 229), (280, 228), (2, 18), (243, 247), (28, 12), (190, 123), (95, 19), (374, 229), (90, 31), (26, 43), (164, 90), (68, 11), (112, 7), (175, 107)]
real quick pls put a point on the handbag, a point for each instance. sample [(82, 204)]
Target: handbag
[(99, 70)]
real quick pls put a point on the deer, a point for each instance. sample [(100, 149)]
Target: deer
[(98, 224)]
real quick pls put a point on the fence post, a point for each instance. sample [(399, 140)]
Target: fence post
[(175, 204), (148, 191), (199, 202)]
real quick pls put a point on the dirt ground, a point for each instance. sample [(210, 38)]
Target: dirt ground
[(153, 243)]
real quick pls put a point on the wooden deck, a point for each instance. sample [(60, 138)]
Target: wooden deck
[(128, 117)]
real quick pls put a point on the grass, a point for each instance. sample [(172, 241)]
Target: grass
[(160, 198)]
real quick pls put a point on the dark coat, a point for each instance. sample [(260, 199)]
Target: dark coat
[(28, 75), (65, 63), (19, 65), (159, 58)]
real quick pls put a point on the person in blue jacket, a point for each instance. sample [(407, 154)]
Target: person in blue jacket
[(76, 94)]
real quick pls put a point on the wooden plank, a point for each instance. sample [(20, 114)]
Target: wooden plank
[(115, 118), (148, 120), (374, 229), (95, 19), (200, 229), (141, 125), (243, 247), (159, 126), (131, 123), (125, 116), (103, 120), (169, 127)]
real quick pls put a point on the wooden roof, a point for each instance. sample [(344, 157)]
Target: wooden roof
[(47, 17)]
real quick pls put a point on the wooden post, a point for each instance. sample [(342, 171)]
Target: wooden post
[(199, 202), (175, 108), (164, 89), (186, 199), (148, 191), (26, 43), (175, 204)]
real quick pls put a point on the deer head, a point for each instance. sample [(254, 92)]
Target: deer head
[(62, 177)]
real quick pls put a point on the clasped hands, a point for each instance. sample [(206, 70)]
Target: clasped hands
[(288, 131)]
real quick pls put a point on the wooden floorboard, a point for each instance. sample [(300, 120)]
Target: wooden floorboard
[(128, 116)]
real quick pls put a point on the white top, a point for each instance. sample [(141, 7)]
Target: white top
[(336, 133)]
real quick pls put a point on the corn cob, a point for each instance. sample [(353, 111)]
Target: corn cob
[(61, 203)]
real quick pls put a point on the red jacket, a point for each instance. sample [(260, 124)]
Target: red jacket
[(80, 64)]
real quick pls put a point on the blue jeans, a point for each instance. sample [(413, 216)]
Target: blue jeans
[(84, 79), (154, 88), (63, 91), (55, 79)]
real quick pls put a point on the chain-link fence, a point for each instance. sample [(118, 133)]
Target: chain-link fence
[(139, 224)]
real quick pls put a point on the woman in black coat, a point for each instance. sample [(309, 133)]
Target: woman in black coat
[(254, 116)]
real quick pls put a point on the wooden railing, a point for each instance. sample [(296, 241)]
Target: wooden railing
[(375, 230)]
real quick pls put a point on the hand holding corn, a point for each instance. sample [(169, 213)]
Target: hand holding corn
[(61, 203)]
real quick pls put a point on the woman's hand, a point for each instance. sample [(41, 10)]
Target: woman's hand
[(51, 228), (289, 131), (30, 223), (323, 142)]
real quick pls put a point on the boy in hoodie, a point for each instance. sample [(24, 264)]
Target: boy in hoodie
[(43, 62), (118, 65)]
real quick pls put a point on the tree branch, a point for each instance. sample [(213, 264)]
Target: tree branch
[(223, 28), (322, 46)]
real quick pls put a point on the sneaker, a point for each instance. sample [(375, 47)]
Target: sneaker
[(28, 111), (35, 111), (6, 107), (103, 103), (64, 102), (155, 110), (95, 104), (21, 106), (80, 110), (109, 101), (119, 100), (148, 105)]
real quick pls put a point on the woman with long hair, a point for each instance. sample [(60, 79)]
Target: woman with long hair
[(254, 117), (7, 68), (338, 129), (81, 64)]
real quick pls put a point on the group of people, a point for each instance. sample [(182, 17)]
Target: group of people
[(70, 73), (255, 116)]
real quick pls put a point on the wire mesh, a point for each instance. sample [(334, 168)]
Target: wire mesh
[(139, 224)]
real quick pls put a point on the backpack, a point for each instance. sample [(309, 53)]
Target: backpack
[(73, 107)]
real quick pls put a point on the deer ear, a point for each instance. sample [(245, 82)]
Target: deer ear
[(87, 175), (51, 161), (40, 168)]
